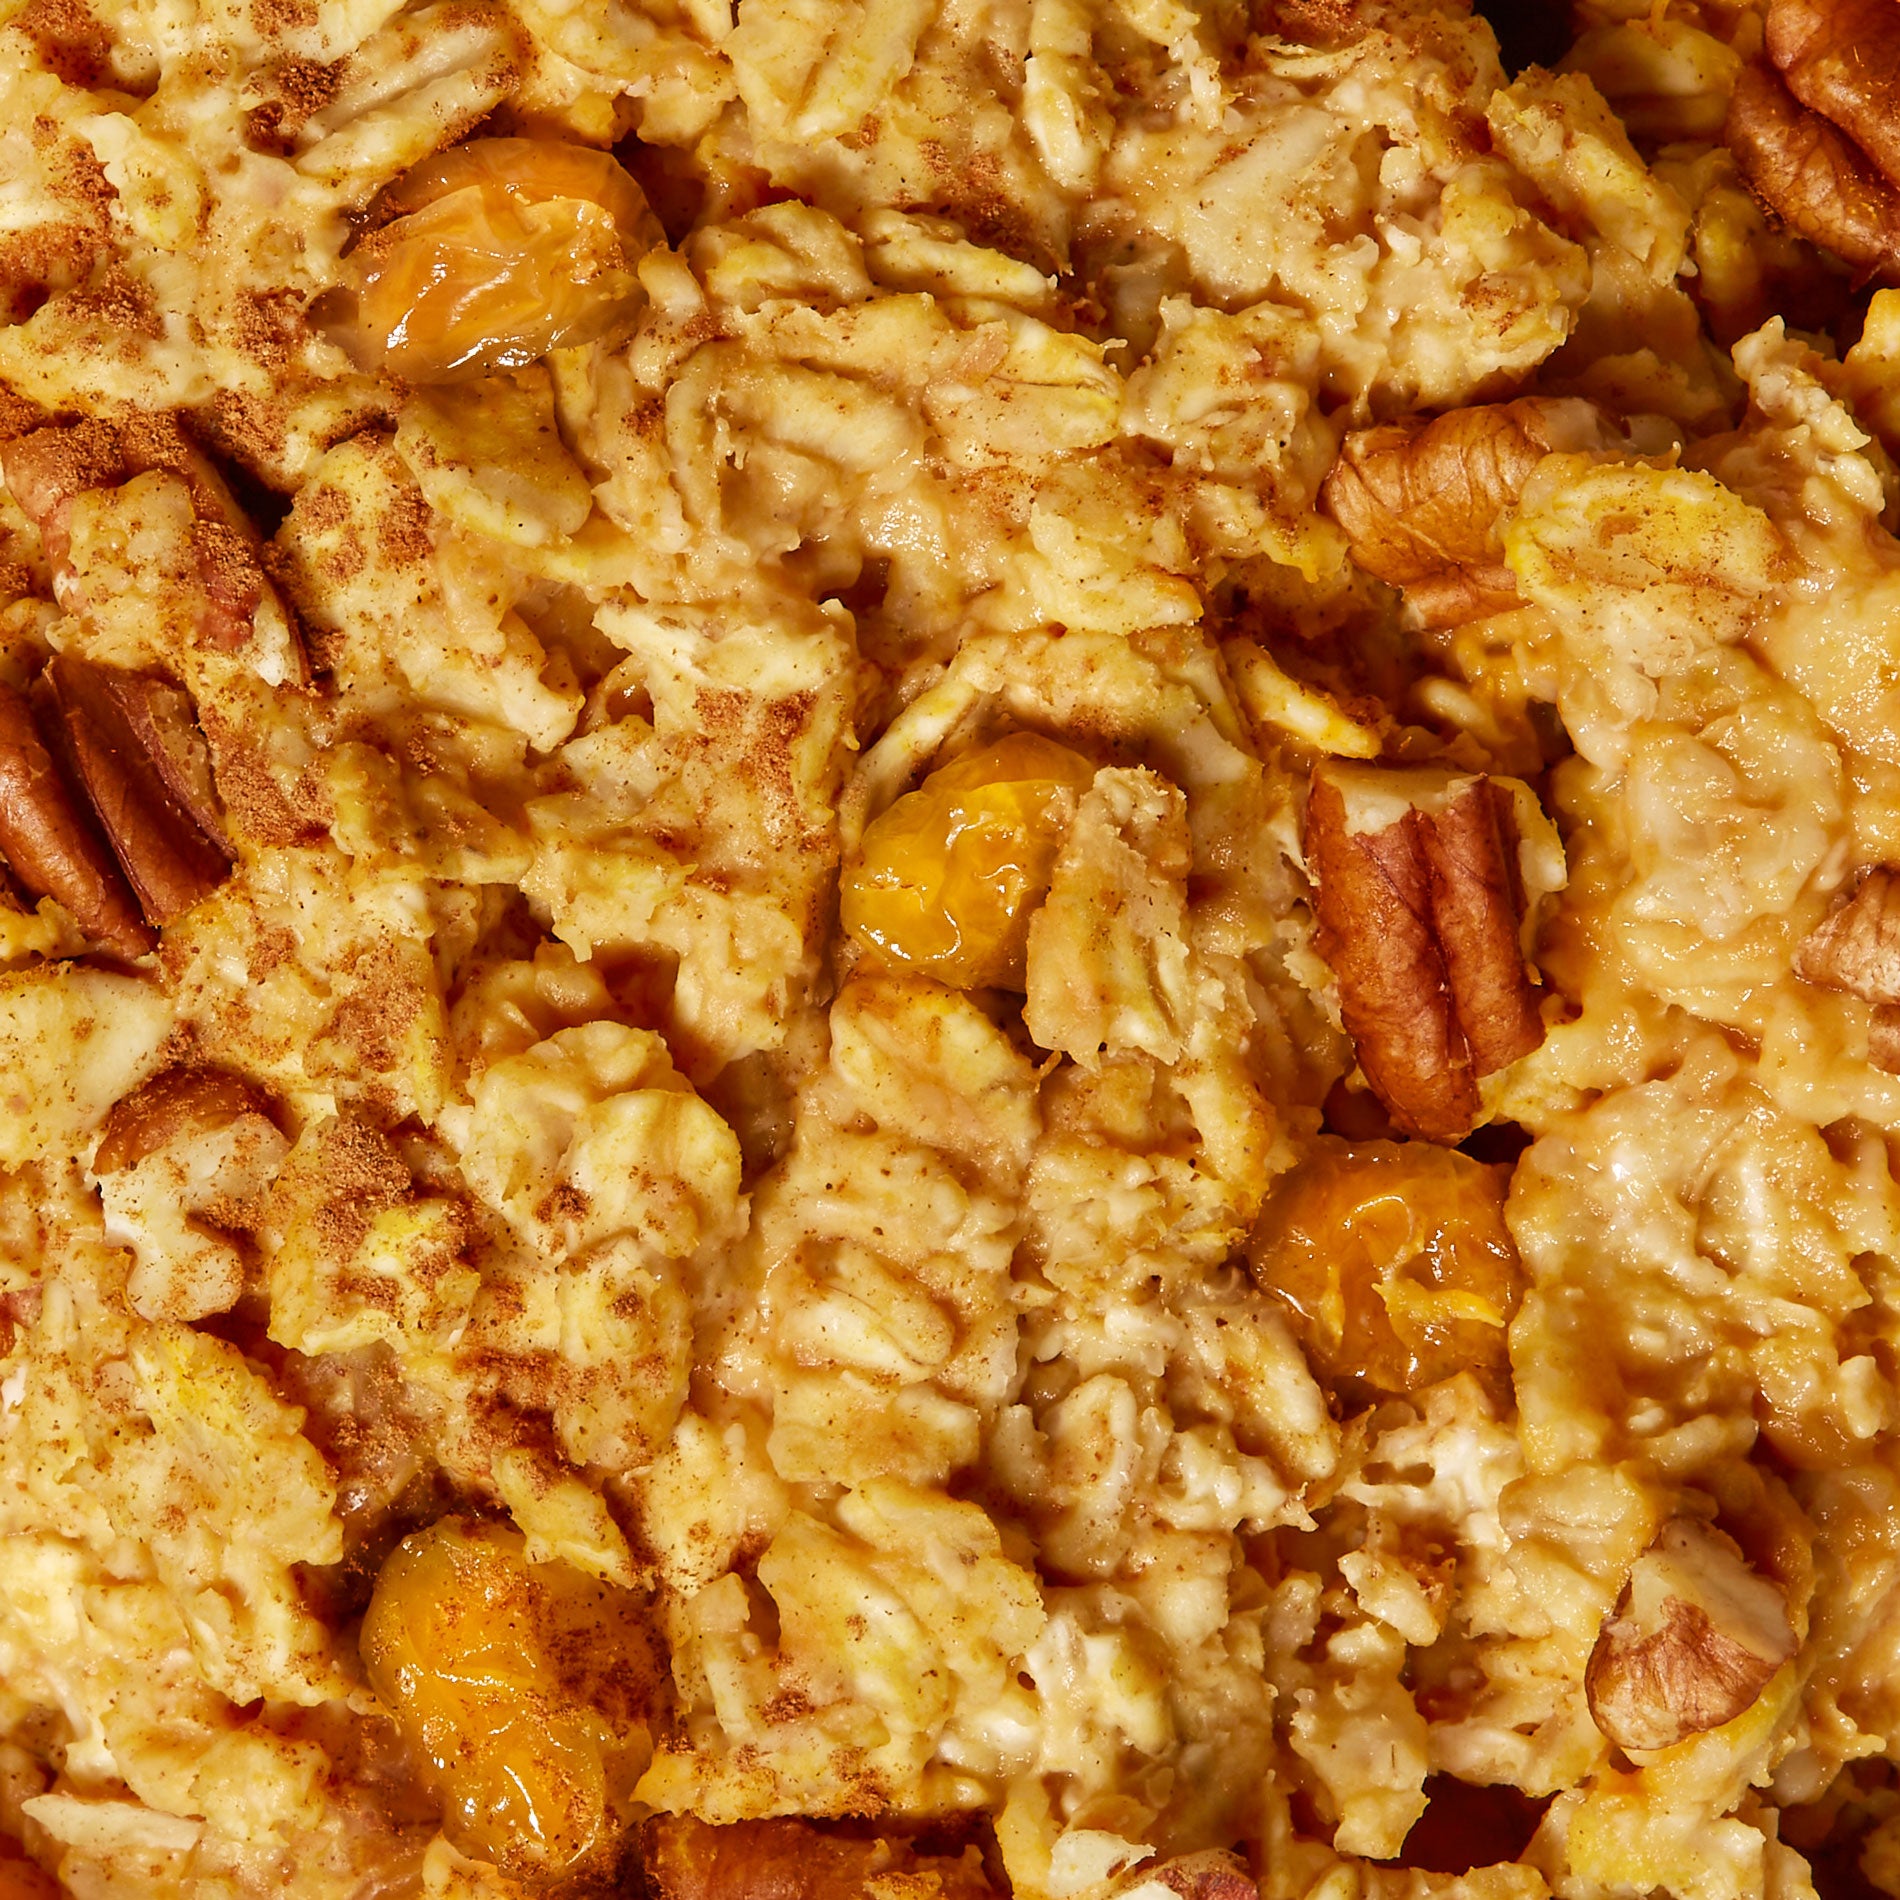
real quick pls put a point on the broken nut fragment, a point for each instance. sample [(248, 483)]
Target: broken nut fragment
[(1818, 135), (1856, 949), (1841, 58), (1694, 1639), (178, 1102), (137, 750), (1812, 175), (1421, 902), (1423, 503), (1212, 1874), (788, 1859), (182, 1164), (47, 470), (50, 842)]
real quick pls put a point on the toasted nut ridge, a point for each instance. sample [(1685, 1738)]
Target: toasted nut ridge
[(1419, 908), (1694, 1639), (1842, 60), (1812, 175), (790, 1859), (1422, 502), (1212, 1874), (1856, 949), (132, 747), (51, 846), (176, 1102)]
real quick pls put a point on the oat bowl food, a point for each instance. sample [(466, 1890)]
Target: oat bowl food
[(950, 950)]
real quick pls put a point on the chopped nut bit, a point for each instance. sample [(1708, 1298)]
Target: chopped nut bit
[(1841, 58), (686, 1859), (131, 745), (1423, 502), (51, 846), (46, 470), (177, 1102), (1812, 175), (1210, 1875), (1856, 948), (1419, 907), (1694, 1639)]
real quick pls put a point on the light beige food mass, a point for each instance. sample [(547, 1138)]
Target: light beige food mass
[(775, 779)]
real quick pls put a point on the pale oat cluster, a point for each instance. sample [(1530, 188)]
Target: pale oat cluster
[(1339, 1342)]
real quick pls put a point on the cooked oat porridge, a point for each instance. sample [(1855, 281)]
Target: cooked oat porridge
[(950, 950)]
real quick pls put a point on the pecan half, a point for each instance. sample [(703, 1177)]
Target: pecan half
[(1856, 949), (1420, 906), (145, 767), (50, 843), (1812, 175), (1694, 1639), (1423, 503)]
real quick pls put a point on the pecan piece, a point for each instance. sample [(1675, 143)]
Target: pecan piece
[(1694, 1639), (687, 1859), (1812, 175), (182, 1164), (50, 843), (1420, 905), (1856, 948), (1842, 60), (178, 1102), (1423, 503), (48, 469), (1212, 1874), (144, 765)]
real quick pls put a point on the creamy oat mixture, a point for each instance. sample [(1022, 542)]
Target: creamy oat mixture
[(951, 948)]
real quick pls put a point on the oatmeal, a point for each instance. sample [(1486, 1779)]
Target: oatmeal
[(948, 951)]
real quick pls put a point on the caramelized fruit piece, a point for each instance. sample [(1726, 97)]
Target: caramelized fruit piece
[(951, 873), (499, 251), (532, 170), (1395, 1260), (523, 1686)]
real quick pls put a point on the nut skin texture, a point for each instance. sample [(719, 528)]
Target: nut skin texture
[(686, 1859), (1841, 58), (1421, 501), (1206, 1876), (1477, 900), (178, 1101), (1813, 176), (1690, 1644), (21, 1880), (1374, 902), (48, 468), (122, 753), (50, 844), (1856, 949), (1419, 921)]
